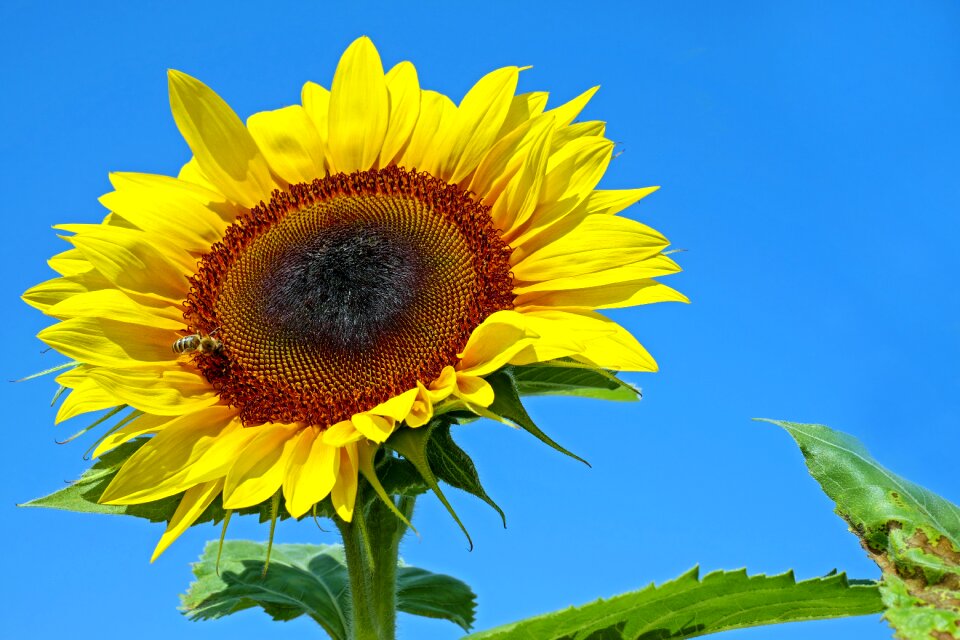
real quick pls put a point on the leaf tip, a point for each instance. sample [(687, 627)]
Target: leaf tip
[(772, 421)]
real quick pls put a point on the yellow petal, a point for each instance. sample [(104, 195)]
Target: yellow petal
[(403, 89), (620, 352), (47, 294), (506, 158), (192, 173), (85, 397), (495, 342), (436, 113), (224, 149), (474, 129), (658, 265), (70, 263), (170, 462), (444, 384), (311, 472), (597, 243), (74, 377), (134, 239), (159, 392), (376, 428), (576, 168), (144, 425), (610, 296), (600, 341), (133, 260), (289, 142), (341, 433), (522, 193), (258, 472), (474, 390), (422, 410), (359, 108), (194, 502), (571, 174), (523, 107), (555, 339), (344, 492), (396, 407), (174, 209), (566, 112), (566, 135), (615, 201), (556, 334), (316, 104), (116, 305), (110, 343)]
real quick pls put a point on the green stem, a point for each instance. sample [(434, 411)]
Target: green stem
[(361, 616), (372, 544)]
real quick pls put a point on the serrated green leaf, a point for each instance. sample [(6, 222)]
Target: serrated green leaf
[(454, 466), (82, 495), (912, 533), (688, 608), (435, 595), (568, 378), (310, 580), (507, 405), (302, 580)]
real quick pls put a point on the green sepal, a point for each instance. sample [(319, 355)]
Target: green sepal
[(56, 396), (127, 419), (412, 444), (82, 495), (109, 414), (452, 465), (565, 377), (508, 407), (274, 513), (310, 580), (688, 607), (912, 533), (398, 476), (367, 470), (59, 367)]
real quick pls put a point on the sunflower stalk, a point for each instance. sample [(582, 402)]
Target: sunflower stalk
[(371, 543)]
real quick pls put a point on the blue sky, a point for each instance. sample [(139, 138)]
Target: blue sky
[(808, 154)]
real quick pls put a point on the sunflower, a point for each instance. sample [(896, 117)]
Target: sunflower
[(334, 271)]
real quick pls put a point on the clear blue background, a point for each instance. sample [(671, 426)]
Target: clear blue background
[(808, 154)]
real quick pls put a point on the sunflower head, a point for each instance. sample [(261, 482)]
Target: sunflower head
[(334, 275), (343, 293)]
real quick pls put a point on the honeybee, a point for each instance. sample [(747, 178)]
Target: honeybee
[(197, 342)]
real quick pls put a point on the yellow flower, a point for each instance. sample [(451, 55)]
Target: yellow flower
[(334, 271)]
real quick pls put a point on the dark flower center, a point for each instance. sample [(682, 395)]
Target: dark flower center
[(343, 288)]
